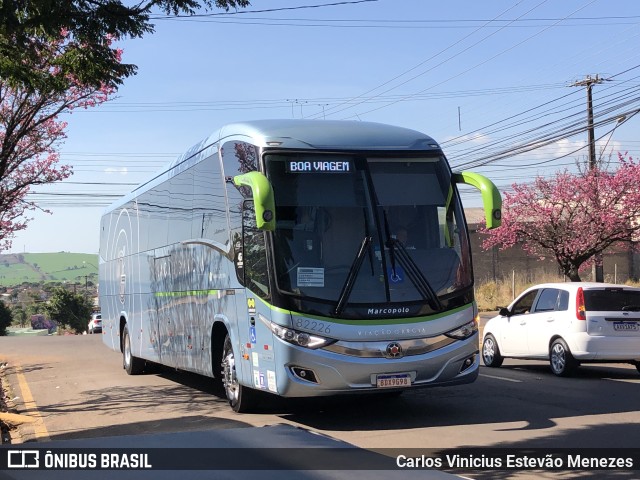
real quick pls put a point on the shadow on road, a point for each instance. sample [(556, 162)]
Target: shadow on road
[(530, 405)]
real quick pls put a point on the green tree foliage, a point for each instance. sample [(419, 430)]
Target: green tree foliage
[(19, 315), (56, 56), (5, 319), (27, 26), (69, 309)]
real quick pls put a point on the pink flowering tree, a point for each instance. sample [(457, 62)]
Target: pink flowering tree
[(31, 130), (572, 217), (56, 57)]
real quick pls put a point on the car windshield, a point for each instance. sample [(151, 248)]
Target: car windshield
[(355, 230)]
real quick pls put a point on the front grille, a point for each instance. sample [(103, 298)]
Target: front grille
[(409, 348)]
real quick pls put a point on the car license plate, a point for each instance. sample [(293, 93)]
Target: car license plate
[(393, 380), (626, 326)]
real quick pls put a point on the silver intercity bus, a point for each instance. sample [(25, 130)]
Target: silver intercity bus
[(299, 258)]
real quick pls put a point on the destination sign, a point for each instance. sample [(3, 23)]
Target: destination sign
[(293, 166)]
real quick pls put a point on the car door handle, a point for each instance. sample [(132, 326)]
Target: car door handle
[(550, 319)]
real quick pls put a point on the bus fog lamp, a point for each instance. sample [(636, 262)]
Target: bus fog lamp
[(305, 374), (468, 363)]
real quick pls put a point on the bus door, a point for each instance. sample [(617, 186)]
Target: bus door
[(255, 337)]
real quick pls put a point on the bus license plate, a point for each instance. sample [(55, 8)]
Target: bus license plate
[(393, 380), (625, 326)]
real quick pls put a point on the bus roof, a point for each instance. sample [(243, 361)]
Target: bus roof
[(328, 134), (316, 135), (301, 134)]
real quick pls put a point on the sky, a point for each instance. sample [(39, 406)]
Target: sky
[(497, 84)]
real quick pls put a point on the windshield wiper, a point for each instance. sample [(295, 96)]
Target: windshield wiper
[(631, 308), (351, 277), (415, 275), (397, 250)]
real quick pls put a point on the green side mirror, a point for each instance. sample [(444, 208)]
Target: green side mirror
[(262, 198), (491, 199)]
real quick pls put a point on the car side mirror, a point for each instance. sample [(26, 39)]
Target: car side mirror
[(504, 312)]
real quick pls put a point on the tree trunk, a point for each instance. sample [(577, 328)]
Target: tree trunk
[(571, 271)]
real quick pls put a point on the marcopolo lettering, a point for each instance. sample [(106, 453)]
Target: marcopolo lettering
[(387, 311)]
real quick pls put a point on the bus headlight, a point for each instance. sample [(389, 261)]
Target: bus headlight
[(301, 339), (465, 331)]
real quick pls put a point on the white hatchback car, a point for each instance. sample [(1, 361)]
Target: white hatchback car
[(95, 324), (568, 324)]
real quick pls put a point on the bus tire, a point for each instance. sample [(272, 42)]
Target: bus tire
[(132, 365), (242, 399)]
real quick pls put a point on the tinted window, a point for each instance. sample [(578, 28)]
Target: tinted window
[(548, 300), (523, 305), (612, 299), (254, 253), (563, 301), (209, 212), (237, 158), (324, 216)]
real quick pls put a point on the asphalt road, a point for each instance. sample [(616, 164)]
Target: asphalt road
[(74, 387)]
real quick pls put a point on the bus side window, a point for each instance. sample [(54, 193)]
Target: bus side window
[(237, 158), (254, 253)]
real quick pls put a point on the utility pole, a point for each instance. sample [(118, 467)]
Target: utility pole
[(589, 82)]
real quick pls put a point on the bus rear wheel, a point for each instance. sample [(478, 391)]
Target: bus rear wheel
[(242, 399), (132, 365)]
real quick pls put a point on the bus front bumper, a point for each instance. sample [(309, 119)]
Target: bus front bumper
[(308, 373)]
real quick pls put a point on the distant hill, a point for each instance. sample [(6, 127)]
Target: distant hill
[(17, 268)]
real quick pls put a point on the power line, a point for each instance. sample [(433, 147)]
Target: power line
[(608, 112), (365, 94), (485, 61), (190, 106), (269, 10)]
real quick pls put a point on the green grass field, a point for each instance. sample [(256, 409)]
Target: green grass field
[(18, 268)]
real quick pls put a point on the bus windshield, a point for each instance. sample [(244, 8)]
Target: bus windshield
[(367, 231)]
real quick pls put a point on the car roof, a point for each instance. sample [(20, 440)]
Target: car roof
[(584, 285)]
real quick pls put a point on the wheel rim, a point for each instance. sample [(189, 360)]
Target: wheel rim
[(488, 350), (558, 358), (127, 351), (229, 376)]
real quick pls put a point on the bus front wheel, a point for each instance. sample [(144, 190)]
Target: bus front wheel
[(132, 365), (241, 398)]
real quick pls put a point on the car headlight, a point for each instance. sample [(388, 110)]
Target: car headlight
[(295, 337), (465, 331)]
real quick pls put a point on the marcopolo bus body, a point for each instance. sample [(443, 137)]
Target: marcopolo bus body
[(300, 258)]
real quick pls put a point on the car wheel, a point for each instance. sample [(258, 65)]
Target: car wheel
[(560, 359), (242, 399), (491, 352), (132, 365)]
